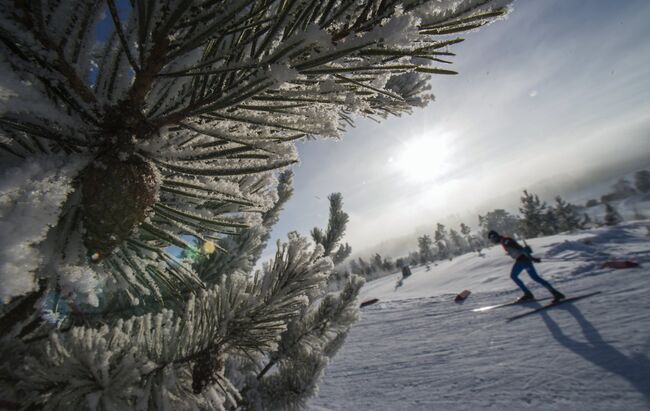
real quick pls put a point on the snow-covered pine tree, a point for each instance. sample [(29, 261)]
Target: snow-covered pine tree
[(501, 221), (377, 262), (355, 267), (612, 216), (534, 220), (620, 190), (330, 239), (441, 241), (286, 377), (341, 253), (337, 222), (169, 130), (566, 215), (551, 223), (471, 241), (388, 265), (424, 248), (459, 245), (414, 258), (366, 269)]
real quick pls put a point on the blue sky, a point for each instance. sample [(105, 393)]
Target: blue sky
[(545, 98)]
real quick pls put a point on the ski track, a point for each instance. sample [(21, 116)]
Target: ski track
[(429, 353)]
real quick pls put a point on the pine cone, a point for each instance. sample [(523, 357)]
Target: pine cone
[(116, 197), (206, 371)]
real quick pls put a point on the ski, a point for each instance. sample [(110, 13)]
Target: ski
[(551, 305), (492, 307)]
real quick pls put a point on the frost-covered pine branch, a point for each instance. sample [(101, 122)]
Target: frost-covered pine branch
[(244, 250), (182, 101), (169, 360), (341, 253), (330, 239), (287, 376), (291, 373), (168, 129), (306, 348), (335, 230)]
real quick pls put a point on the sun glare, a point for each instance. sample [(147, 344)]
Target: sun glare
[(423, 159)]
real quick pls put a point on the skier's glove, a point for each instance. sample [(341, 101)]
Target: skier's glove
[(537, 260)]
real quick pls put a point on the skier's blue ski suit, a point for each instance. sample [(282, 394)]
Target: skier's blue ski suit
[(523, 261)]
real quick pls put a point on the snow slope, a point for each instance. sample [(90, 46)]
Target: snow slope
[(418, 350)]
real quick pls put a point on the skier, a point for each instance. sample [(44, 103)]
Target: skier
[(523, 261)]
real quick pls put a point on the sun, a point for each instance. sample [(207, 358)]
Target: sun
[(423, 158)]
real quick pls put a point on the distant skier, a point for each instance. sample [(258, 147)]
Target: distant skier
[(523, 261)]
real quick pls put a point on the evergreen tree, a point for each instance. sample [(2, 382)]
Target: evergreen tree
[(304, 348), (424, 247), (335, 230), (612, 216), (566, 215), (642, 181), (377, 262), (465, 230), (620, 190), (499, 220), (458, 242), (534, 218), (355, 267), (329, 239), (311, 337), (341, 254), (551, 222), (366, 269), (169, 132), (414, 258), (442, 242), (469, 238), (388, 265)]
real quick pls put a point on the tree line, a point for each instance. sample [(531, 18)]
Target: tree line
[(536, 218)]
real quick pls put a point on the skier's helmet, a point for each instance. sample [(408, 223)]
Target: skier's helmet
[(493, 236)]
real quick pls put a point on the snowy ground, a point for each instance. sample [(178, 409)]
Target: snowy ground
[(418, 350)]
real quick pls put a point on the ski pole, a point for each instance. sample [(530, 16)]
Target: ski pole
[(562, 259)]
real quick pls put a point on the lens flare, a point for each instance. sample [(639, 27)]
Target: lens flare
[(209, 247)]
